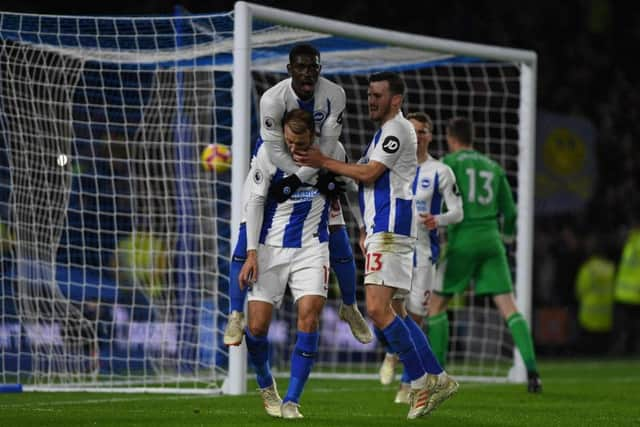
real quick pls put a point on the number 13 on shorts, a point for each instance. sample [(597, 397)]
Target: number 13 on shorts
[(373, 262)]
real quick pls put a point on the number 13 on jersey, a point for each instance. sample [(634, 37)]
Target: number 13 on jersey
[(373, 262)]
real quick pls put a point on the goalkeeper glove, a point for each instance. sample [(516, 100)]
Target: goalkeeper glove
[(283, 189), (329, 185)]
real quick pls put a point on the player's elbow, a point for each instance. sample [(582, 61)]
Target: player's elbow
[(367, 179), (370, 173), (458, 216)]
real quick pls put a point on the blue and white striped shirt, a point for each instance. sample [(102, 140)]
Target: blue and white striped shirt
[(387, 204), (300, 221), (434, 185)]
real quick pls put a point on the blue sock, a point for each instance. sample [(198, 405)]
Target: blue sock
[(302, 360), (400, 342), (237, 295), (258, 351), (429, 361), (381, 338), (343, 265)]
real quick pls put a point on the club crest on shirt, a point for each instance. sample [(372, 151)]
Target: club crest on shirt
[(425, 183), (319, 116)]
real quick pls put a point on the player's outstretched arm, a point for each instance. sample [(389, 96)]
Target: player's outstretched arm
[(364, 173)]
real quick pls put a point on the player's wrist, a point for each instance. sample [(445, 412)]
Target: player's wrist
[(252, 253)]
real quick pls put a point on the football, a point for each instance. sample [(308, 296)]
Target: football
[(216, 157)]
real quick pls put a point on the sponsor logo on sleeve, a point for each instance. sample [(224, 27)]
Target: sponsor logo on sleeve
[(391, 144)]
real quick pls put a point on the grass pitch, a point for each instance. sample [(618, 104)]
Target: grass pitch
[(576, 393)]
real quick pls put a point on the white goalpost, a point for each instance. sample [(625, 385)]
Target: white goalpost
[(115, 238)]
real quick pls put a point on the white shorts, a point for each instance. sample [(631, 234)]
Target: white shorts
[(389, 261), (304, 270), (335, 214), (425, 279)]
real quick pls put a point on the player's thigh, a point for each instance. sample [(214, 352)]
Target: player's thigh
[(423, 281), (494, 276), (309, 273), (458, 268), (273, 273)]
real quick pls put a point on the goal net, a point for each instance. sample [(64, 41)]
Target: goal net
[(116, 229)]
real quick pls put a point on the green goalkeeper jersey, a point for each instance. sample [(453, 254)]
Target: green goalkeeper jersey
[(486, 199)]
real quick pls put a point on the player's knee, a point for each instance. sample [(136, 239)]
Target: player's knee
[(378, 312), (308, 323), (257, 329)]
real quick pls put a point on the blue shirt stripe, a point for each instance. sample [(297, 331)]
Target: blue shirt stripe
[(404, 217), (382, 201), (435, 208), (293, 231), (323, 227), (269, 209)]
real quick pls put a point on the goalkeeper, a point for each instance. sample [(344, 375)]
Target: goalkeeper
[(475, 248)]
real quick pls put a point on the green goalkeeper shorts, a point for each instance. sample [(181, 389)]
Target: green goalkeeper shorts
[(485, 262)]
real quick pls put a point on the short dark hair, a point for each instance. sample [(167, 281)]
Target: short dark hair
[(462, 129), (299, 121), (396, 84), (422, 118), (303, 49)]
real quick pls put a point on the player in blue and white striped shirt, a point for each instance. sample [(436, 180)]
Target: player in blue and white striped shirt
[(434, 185), (386, 173), (287, 245)]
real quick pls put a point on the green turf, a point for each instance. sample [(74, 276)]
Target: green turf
[(576, 393)]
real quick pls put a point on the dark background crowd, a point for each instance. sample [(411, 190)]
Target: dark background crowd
[(587, 67)]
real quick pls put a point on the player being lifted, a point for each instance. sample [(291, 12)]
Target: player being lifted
[(287, 245), (304, 89), (434, 184), (475, 248), (386, 173)]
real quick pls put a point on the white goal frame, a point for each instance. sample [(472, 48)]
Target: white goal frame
[(245, 12)]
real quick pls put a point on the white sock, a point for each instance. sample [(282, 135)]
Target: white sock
[(420, 382)]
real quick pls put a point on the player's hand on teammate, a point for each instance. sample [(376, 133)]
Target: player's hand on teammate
[(429, 221), (249, 272), (280, 191), (312, 157), (330, 185)]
